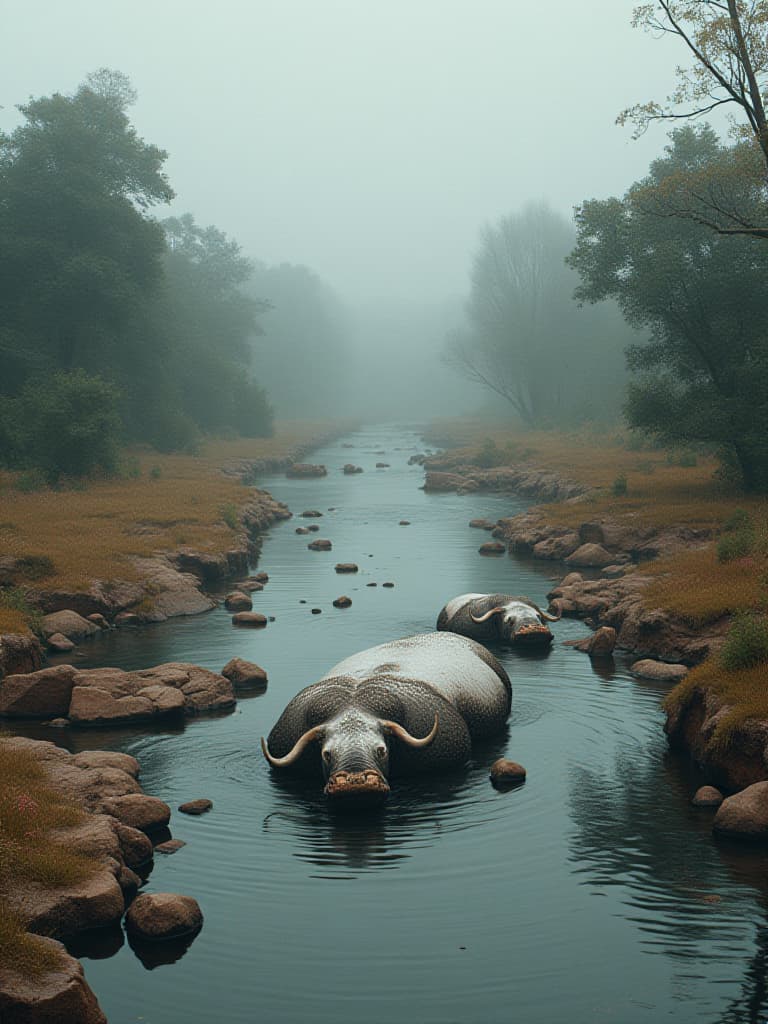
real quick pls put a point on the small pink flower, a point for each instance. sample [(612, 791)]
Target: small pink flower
[(26, 805)]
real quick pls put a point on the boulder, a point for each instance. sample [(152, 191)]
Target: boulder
[(128, 619), (493, 547), (55, 996), (647, 668), (170, 846), (707, 796), (136, 846), (351, 469), (591, 533), (19, 653), (482, 524), (252, 619), (591, 556), (169, 689), (313, 529), (91, 705), (163, 915), (94, 902), (382, 465), (504, 772), (320, 545), (142, 812), (600, 644), (237, 601), (744, 815), (343, 567), (260, 577), (195, 807), (107, 759), (342, 602), (435, 482), (388, 585), (98, 620), (302, 470), (42, 694), (242, 674), (311, 513), (301, 529), (60, 644), (571, 580), (317, 611), (404, 522), (69, 623), (250, 586), (556, 548)]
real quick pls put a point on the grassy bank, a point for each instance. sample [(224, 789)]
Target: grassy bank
[(29, 810), (67, 537), (727, 576)]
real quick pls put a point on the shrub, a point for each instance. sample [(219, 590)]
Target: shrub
[(14, 599), (230, 516), (738, 520), (155, 473), (619, 488), (746, 644), (29, 481), (736, 545)]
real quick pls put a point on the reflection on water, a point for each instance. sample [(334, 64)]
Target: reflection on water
[(592, 893)]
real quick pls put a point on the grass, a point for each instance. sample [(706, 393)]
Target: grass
[(29, 810), (69, 538)]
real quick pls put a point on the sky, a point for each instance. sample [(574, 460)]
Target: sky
[(369, 140)]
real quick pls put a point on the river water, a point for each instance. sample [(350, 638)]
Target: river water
[(594, 892)]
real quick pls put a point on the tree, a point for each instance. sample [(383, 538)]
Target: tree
[(703, 374), (77, 255), (525, 338), (728, 41)]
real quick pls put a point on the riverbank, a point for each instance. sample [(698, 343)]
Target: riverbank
[(144, 545), (675, 563)]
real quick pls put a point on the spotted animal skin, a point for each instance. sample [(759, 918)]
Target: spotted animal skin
[(502, 617), (410, 705)]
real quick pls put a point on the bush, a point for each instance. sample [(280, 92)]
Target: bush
[(619, 488), (747, 642), (69, 425), (740, 519), (230, 517), (736, 545)]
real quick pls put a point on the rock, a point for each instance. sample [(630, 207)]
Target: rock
[(196, 806), (371, 584), (350, 469), (382, 465), (58, 723), (744, 815), (592, 556), (94, 902), (614, 570), (317, 611), (170, 846), (591, 533), (600, 644), (556, 548), (57, 996), (42, 694), (142, 812), (707, 796), (313, 529), (388, 585), (250, 587), (311, 514), (301, 529), (346, 567), (59, 643), (482, 524), (342, 602), (91, 705), (163, 915), (244, 674), (98, 620), (439, 482), (107, 759), (106, 695), (253, 619), (261, 577), (647, 668), (69, 623), (320, 545), (571, 579), (404, 522), (493, 547), (136, 846), (128, 619), (20, 653), (237, 601), (302, 470), (505, 773)]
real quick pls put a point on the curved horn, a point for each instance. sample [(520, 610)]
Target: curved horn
[(295, 752), (484, 618), (546, 615), (397, 730)]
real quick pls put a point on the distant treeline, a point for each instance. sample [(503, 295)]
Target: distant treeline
[(114, 325)]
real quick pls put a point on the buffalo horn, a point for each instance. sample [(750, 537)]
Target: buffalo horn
[(546, 615), (295, 752), (397, 730), (484, 618)]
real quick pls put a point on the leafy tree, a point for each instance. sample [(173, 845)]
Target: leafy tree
[(703, 374), (77, 255), (526, 340), (65, 424), (728, 43)]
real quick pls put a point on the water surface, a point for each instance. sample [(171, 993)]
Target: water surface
[(592, 893)]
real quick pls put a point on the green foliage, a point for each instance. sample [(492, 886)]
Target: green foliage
[(740, 519), (155, 473), (619, 487), (746, 644), (230, 516), (30, 481), (702, 375), (15, 599), (738, 544)]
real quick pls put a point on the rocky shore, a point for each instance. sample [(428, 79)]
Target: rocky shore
[(117, 831)]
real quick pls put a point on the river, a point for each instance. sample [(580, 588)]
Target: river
[(594, 892)]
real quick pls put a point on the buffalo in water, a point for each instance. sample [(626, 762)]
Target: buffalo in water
[(406, 706), (497, 617)]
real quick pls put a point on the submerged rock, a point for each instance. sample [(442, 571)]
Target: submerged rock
[(253, 619), (237, 601), (196, 806), (493, 547), (242, 673), (707, 796), (346, 567), (302, 470), (320, 545), (342, 602), (744, 815), (163, 915), (647, 668), (505, 773)]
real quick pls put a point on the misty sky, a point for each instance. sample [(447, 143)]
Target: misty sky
[(367, 139)]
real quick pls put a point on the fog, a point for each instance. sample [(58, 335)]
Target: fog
[(367, 141)]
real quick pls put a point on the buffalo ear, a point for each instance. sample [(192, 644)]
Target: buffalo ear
[(402, 734)]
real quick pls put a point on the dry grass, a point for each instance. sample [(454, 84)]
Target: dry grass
[(29, 810), (13, 621), (744, 690), (174, 500)]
